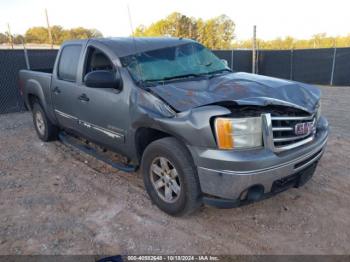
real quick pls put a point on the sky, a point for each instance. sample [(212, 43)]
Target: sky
[(300, 19)]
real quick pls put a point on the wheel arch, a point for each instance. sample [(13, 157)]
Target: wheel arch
[(35, 93), (144, 136)]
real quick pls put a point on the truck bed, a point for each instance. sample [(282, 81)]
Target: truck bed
[(41, 75), (31, 80)]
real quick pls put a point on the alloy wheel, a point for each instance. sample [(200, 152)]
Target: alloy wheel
[(165, 179)]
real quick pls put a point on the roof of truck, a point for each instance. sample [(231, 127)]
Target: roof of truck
[(124, 46)]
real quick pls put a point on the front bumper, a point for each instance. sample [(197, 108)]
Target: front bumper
[(227, 174)]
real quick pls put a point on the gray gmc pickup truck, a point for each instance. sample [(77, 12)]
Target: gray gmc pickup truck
[(199, 132)]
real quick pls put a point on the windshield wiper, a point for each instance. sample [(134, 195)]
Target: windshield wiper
[(169, 78), (217, 72), (175, 77)]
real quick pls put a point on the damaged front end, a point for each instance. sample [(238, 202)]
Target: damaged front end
[(248, 135), (244, 149), (240, 89), (193, 127), (286, 112)]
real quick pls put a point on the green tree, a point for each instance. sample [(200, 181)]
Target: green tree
[(18, 39), (82, 33), (175, 24), (59, 35), (38, 35), (3, 38), (216, 33), (317, 41), (343, 41)]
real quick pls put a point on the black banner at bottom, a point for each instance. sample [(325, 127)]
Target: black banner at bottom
[(166, 258)]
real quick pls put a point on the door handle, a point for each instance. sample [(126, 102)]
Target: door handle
[(84, 98), (56, 90)]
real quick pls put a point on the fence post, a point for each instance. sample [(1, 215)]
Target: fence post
[(333, 65), (10, 35), (26, 55), (254, 50), (231, 59), (257, 60), (291, 64)]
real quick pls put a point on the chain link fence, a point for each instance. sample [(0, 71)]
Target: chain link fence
[(325, 66), (11, 61), (328, 66)]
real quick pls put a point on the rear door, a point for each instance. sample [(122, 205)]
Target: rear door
[(64, 87)]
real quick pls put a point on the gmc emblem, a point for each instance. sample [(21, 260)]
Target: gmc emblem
[(304, 128)]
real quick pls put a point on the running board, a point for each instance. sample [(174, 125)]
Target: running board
[(69, 140)]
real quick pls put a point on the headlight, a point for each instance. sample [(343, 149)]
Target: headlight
[(232, 133)]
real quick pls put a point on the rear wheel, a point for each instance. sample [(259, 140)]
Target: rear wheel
[(170, 177), (45, 130)]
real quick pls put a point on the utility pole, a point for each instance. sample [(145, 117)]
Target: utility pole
[(254, 51), (333, 61), (49, 28), (10, 35)]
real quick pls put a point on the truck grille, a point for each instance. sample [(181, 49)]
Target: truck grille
[(292, 131)]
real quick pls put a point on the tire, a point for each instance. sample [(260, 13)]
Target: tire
[(183, 182), (45, 130)]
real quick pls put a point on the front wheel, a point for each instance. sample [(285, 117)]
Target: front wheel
[(170, 177)]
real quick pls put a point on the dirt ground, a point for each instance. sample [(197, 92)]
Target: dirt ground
[(55, 201)]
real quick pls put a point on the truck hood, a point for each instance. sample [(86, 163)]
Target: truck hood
[(240, 88)]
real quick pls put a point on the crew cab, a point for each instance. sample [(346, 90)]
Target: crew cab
[(198, 132)]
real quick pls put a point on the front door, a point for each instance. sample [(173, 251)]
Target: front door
[(103, 112)]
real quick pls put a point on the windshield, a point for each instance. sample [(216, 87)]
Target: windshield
[(187, 60)]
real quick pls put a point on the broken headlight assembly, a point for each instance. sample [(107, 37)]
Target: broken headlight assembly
[(238, 133), (318, 113)]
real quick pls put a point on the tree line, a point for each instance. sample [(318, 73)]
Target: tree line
[(317, 41), (218, 33), (215, 33), (40, 35)]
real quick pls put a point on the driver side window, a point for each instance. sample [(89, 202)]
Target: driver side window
[(97, 60)]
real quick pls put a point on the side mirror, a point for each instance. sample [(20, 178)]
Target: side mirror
[(102, 79), (225, 62)]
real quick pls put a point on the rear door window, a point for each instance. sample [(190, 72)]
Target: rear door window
[(68, 64)]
